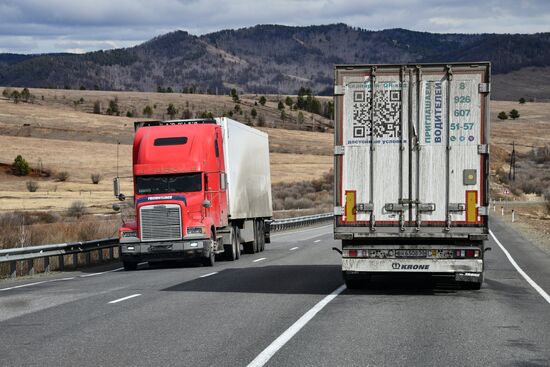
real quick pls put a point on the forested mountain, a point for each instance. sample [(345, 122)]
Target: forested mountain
[(268, 59)]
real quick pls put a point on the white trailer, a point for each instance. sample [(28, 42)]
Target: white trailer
[(411, 169), (248, 181)]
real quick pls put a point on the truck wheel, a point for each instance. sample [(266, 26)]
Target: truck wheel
[(353, 283), (237, 242), (211, 259), (231, 250), (129, 265), (261, 235)]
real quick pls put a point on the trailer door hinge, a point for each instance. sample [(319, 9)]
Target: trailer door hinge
[(484, 88), (339, 90), (339, 150), (483, 149), (339, 210)]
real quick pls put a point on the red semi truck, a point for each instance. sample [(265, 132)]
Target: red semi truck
[(201, 187)]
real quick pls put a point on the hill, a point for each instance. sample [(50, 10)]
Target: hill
[(275, 59)]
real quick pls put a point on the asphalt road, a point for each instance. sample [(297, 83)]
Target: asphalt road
[(228, 315)]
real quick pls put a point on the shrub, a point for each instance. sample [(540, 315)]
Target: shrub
[(77, 209), (113, 107), (263, 100), (97, 107), (20, 167), (514, 114), (253, 113), (96, 178), (502, 115), (62, 176), (32, 186), (148, 111)]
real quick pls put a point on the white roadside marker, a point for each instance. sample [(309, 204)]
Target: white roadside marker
[(207, 275), (294, 248), (125, 298), (278, 343), (520, 270), (260, 259)]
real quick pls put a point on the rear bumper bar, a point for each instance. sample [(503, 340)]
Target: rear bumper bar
[(413, 265)]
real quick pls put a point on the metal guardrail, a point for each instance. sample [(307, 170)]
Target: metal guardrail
[(39, 256), (297, 222)]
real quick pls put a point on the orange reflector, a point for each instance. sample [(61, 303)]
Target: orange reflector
[(350, 206), (471, 206)]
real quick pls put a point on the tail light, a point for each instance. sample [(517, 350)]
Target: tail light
[(468, 254)]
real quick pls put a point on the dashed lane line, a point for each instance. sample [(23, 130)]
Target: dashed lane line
[(260, 259), (125, 298)]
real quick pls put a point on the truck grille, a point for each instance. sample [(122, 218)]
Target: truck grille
[(160, 222)]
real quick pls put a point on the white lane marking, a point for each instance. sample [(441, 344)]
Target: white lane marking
[(260, 259), (294, 248), (317, 241), (103, 272), (125, 298), (35, 283), (207, 275), (520, 270), (278, 343), (143, 263)]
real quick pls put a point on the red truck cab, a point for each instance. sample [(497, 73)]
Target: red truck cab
[(179, 193)]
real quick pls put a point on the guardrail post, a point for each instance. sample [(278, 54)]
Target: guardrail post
[(111, 253), (75, 260), (88, 256), (13, 269), (46, 264), (30, 266), (100, 255), (61, 263)]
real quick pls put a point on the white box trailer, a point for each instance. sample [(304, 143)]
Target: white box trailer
[(248, 173), (411, 169), (247, 169)]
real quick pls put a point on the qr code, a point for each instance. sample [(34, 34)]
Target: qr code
[(387, 108)]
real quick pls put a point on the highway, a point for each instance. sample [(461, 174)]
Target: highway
[(283, 307)]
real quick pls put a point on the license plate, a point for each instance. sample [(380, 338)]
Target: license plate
[(411, 253), (160, 248)]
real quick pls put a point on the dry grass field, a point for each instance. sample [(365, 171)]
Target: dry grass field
[(56, 134)]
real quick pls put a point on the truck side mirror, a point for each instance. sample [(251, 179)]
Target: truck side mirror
[(116, 186), (116, 189), (206, 203)]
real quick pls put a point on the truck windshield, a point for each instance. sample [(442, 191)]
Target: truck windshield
[(161, 184)]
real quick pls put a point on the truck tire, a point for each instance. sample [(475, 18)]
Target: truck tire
[(261, 235), (353, 283), (130, 265), (237, 241), (252, 246), (211, 259), (231, 250)]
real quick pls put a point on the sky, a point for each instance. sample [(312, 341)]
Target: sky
[(40, 26)]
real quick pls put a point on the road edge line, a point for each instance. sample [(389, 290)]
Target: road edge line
[(285, 337), (531, 282)]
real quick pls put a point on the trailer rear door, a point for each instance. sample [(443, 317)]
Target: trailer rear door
[(411, 146)]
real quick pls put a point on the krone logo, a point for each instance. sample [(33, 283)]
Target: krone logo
[(395, 265)]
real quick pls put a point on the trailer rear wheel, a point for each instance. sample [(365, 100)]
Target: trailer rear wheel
[(260, 239), (129, 265), (237, 241)]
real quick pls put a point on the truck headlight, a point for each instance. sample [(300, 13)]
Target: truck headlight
[(195, 230)]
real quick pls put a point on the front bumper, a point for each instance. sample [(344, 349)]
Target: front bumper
[(165, 250), (412, 265)]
